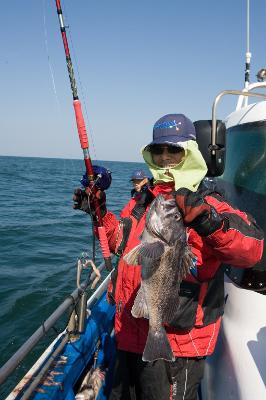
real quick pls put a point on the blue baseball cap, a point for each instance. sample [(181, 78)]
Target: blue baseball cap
[(173, 129), (138, 174)]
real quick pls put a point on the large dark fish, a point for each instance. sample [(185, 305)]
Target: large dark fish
[(165, 259)]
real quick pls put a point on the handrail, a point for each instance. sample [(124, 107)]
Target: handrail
[(251, 86), (22, 352), (52, 355), (217, 99)]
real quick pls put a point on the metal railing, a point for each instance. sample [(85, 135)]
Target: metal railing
[(71, 300), (216, 101)]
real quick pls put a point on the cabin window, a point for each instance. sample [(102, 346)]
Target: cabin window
[(244, 185)]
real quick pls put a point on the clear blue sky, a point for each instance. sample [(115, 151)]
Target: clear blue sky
[(134, 61)]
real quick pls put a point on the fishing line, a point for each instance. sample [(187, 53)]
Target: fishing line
[(59, 107), (80, 84), (84, 143), (48, 57)]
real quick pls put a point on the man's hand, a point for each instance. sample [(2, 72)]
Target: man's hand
[(85, 202), (196, 213), (81, 201)]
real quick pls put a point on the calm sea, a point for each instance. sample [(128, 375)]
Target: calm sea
[(41, 237)]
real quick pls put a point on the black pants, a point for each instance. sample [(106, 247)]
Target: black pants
[(135, 379)]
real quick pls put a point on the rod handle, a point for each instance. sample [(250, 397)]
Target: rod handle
[(83, 137)]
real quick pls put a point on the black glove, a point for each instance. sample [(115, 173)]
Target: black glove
[(196, 213), (86, 203)]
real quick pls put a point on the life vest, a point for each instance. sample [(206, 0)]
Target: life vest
[(201, 303)]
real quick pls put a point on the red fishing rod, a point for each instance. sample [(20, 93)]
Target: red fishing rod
[(83, 138)]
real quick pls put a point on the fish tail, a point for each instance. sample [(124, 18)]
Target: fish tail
[(157, 346)]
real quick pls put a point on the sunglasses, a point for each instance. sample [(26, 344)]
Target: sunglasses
[(158, 149)]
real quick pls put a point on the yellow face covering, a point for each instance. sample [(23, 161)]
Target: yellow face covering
[(188, 173)]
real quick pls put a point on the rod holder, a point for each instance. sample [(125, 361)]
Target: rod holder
[(82, 313)]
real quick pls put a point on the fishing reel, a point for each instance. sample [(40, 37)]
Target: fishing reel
[(102, 178)]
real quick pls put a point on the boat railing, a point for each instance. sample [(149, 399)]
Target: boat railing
[(244, 93), (70, 303), (243, 100)]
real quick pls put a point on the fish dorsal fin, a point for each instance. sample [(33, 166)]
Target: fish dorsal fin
[(140, 308), (152, 250)]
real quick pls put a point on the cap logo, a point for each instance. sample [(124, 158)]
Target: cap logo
[(168, 125)]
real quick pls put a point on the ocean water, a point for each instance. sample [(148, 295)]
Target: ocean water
[(41, 237)]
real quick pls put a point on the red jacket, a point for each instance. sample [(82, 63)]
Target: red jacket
[(240, 245)]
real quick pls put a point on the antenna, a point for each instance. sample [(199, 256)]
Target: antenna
[(248, 54)]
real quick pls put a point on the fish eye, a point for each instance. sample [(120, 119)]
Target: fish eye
[(177, 217)]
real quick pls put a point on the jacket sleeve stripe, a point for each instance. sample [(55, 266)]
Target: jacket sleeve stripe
[(240, 240), (234, 221)]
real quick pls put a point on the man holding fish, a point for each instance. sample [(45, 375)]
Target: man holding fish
[(168, 287)]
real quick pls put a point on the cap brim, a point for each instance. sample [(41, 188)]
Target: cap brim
[(171, 141), (138, 178)]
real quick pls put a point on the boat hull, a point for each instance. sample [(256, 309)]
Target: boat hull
[(237, 369)]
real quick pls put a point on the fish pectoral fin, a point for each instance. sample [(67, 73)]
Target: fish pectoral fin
[(157, 346), (132, 257), (140, 308), (152, 250)]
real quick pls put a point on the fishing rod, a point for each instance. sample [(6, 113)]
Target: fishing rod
[(84, 143)]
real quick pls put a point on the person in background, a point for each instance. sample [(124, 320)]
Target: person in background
[(217, 233), (140, 182)]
